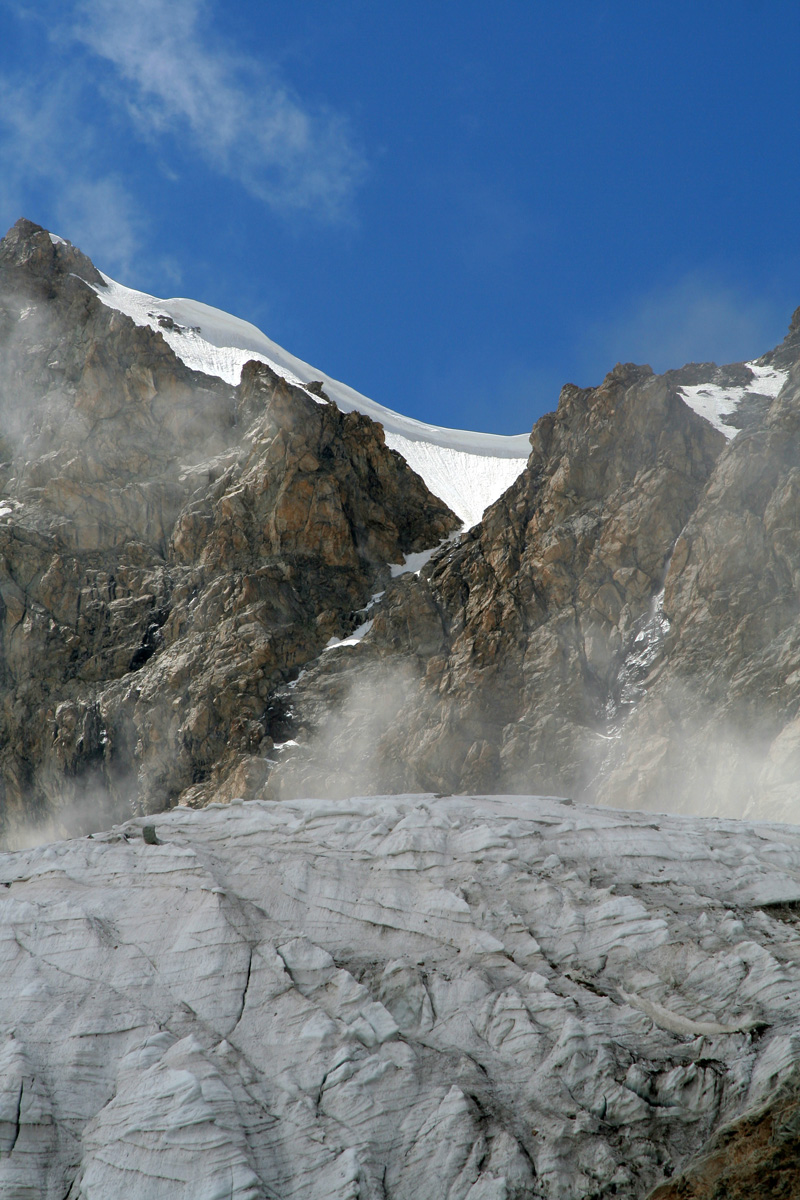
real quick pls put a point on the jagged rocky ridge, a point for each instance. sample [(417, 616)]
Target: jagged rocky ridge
[(177, 551), (622, 625), (172, 548), (499, 998)]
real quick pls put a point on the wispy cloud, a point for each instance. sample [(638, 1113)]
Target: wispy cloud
[(244, 121), (95, 74), (46, 152), (102, 214), (697, 319)]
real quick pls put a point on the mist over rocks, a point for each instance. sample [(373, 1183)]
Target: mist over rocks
[(171, 549), (621, 626), (215, 590), (183, 559)]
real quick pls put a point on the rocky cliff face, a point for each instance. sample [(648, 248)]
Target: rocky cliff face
[(623, 624), (717, 721), (176, 550), (171, 550)]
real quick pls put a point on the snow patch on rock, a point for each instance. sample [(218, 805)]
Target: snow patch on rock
[(714, 402)]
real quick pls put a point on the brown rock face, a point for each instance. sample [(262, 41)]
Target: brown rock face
[(171, 550), (717, 726), (504, 655), (622, 626), (754, 1158)]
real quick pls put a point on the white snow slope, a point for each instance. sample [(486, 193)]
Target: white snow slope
[(713, 402), (417, 997), (469, 471)]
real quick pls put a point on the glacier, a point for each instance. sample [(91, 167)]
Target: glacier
[(484, 998)]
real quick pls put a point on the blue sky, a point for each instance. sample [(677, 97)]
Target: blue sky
[(454, 207)]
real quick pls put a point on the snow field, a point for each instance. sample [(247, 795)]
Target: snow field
[(713, 402)]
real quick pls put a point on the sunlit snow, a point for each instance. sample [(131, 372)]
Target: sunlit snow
[(467, 470), (714, 402), (353, 640)]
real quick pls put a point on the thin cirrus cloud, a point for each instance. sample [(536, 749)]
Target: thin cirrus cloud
[(63, 164), (245, 123), (45, 149), (696, 319), (102, 214)]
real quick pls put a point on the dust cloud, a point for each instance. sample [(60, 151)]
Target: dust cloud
[(347, 746)]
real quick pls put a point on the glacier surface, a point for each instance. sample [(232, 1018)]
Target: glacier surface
[(407, 996)]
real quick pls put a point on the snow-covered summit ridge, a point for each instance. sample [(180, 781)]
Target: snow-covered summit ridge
[(467, 470)]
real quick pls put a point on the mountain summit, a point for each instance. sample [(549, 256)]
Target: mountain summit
[(359, 956), (174, 547), (220, 574)]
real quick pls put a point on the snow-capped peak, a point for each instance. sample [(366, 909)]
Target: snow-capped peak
[(467, 470)]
